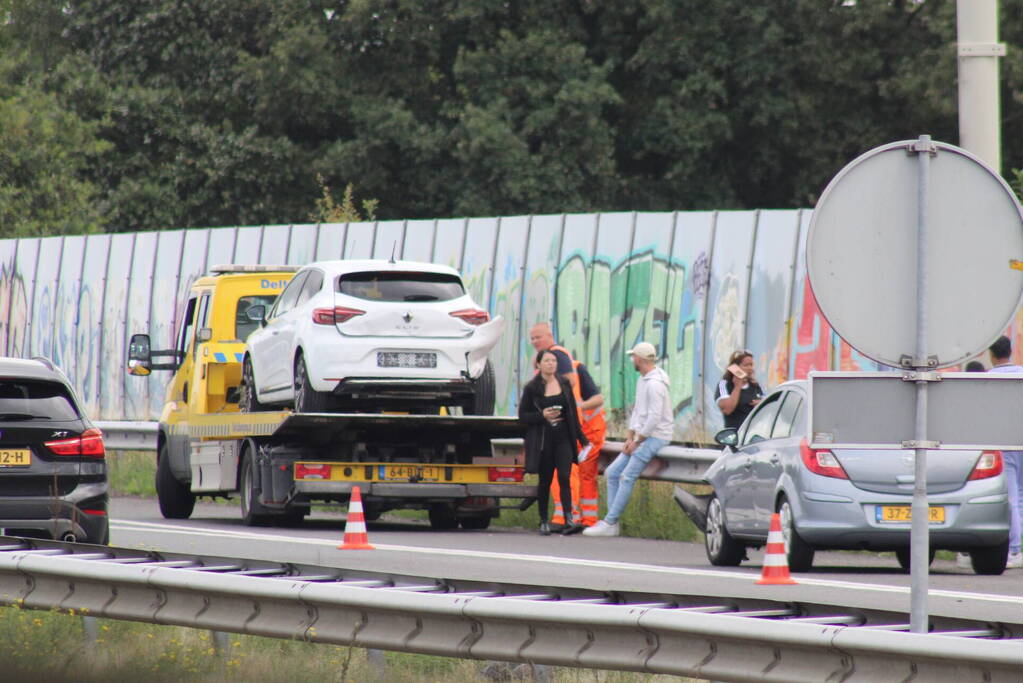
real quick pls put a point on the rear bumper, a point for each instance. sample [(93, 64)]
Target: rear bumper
[(55, 518), (343, 489), (979, 521), (405, 389)]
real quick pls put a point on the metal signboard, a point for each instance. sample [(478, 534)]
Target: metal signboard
[(965, 410), (892, 239), (862, 254)]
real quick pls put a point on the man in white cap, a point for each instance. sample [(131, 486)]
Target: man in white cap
[(650, 428)]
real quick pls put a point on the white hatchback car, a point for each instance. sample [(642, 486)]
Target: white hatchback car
[(371, 335)]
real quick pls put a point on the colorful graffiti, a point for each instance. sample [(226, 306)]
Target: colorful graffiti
[(13, 310), (602, 311), (697, 285)]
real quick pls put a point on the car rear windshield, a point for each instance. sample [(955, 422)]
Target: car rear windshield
[(401, 286), (25, 400)]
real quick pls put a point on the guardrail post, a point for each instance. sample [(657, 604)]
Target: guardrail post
[(91, 628), (221, 642), (377, 663)]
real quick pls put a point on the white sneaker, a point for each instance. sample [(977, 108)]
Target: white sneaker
[(963, 561), (1015, 561), (601, 528)]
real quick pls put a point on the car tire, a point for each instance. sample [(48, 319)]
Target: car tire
[(800, 553), (442, 517), (249, 403), (476, 522), (485, 397), (990, 560), (722, 549), (176, 500), (307, 399), (903, 556), (100, 537), (253, 512)]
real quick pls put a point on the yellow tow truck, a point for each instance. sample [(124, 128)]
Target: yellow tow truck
[(281, 463)]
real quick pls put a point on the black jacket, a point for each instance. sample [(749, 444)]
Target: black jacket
[(532, 417)]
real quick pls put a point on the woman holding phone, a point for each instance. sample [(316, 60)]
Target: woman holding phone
[(738, 392), (553, 437)]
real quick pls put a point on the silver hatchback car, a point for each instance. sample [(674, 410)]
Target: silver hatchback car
[(846, 499)]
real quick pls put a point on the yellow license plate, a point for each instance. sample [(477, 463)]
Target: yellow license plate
[(904, 513), (409, 473), (15, 457)]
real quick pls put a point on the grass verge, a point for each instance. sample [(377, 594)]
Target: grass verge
[(132, 473), (53, 646)]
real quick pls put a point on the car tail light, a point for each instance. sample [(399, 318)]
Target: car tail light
[(335, 316), (305, 470), (473, 316), (989, 464), (95, 512), (504, 473), (822, 462), (89, 443)]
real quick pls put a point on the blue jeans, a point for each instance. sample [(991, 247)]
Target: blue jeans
[(621, 476), (1014, 481)]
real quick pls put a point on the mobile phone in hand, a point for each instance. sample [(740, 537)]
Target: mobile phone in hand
[(736, 371)]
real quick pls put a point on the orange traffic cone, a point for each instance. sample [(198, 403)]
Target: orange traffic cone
[(355, 525), (776, 563)]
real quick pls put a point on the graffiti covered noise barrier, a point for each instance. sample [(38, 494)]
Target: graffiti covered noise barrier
[(698, 285)]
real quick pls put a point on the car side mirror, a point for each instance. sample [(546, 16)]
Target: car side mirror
[(204, 335), (727, 437), (257, 314), (140, 355)]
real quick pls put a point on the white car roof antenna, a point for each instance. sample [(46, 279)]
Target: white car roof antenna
[(394, 250)]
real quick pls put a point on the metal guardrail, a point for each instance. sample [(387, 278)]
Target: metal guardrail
[(672, 463), (698, 636), (129, 436)]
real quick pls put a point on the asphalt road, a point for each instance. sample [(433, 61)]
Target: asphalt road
[(866, 580)]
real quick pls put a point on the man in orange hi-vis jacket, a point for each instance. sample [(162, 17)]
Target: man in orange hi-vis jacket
[(591, 417)]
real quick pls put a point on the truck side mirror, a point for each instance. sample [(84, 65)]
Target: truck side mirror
[(140, 358), (257, 314)]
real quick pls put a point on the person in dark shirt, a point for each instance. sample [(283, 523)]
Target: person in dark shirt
[(548, 410), (738, 392)]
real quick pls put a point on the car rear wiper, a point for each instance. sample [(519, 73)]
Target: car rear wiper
[(420, 297), (22, 417)]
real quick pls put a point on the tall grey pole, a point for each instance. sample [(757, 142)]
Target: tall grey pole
[(920, 530), (978, 52)]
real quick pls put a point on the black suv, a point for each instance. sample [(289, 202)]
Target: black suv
[(53, 471)]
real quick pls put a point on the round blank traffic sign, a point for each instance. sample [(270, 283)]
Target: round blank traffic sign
[(861, 254)]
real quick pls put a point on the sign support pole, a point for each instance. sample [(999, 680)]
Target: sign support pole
[(920, 531)]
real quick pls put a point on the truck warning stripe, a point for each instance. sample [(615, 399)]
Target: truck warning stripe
[(234, 429), (221, 357)]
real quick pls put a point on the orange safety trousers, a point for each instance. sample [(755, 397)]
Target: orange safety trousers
[(585, 494)]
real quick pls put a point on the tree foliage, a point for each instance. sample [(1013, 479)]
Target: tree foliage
[(153, 114)]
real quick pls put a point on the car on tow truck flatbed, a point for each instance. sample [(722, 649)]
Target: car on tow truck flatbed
[(280, 463)]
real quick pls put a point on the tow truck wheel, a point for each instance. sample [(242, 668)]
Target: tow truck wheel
[(307, 399), (442, 517), (478, 522), (176, 500), (253, 513), (249, 403), (293, 516)]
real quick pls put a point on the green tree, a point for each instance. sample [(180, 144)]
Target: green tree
[(44, 151)]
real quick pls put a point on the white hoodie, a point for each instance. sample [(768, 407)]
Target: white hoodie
[(651, 416)]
